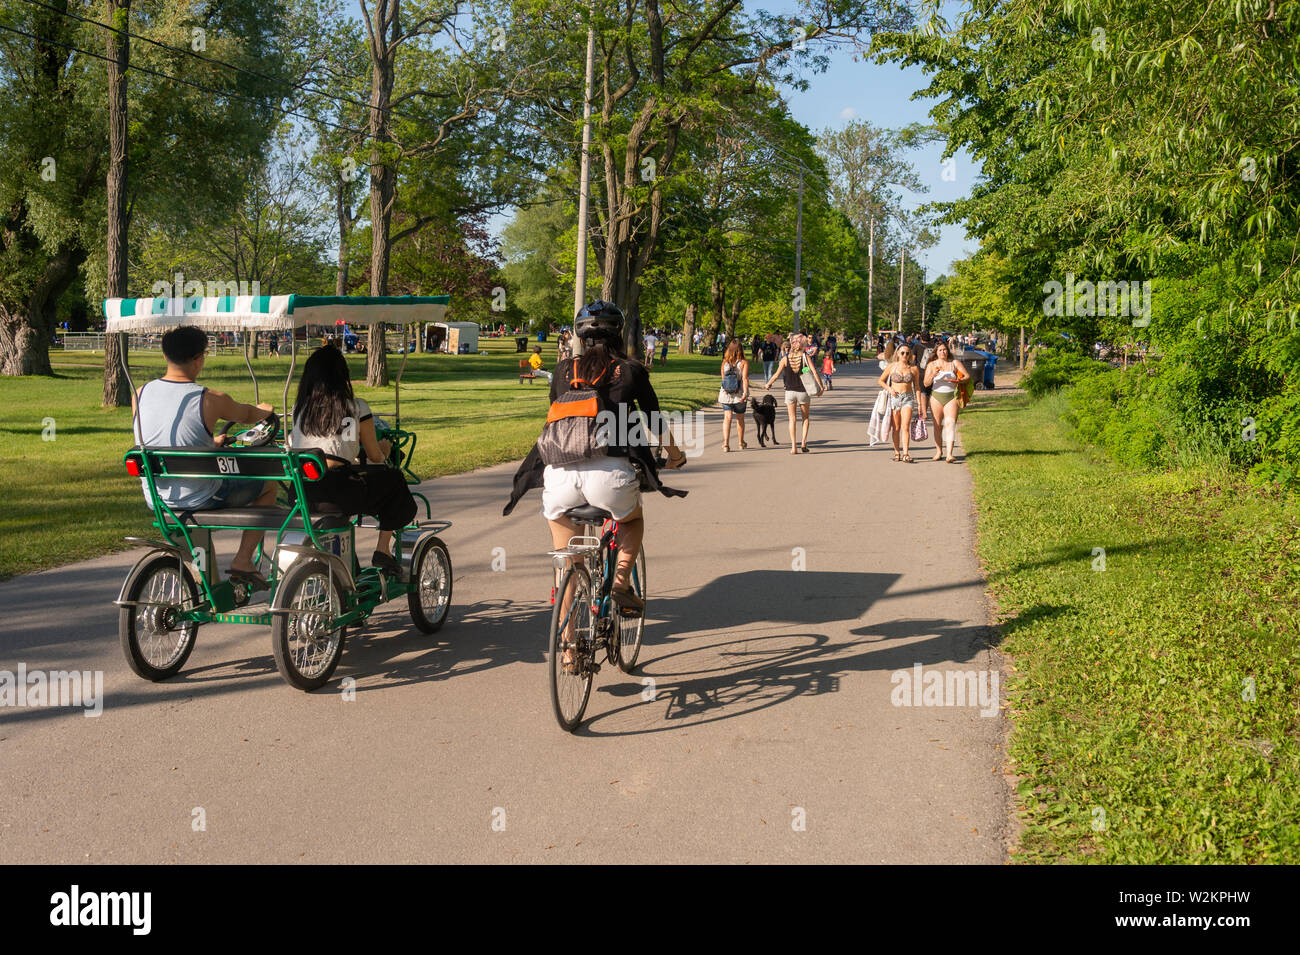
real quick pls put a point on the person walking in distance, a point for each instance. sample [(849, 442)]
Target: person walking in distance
[(734, 393), (796, 395), (903, 379), (828, 369), (770, 352), (945, 375)]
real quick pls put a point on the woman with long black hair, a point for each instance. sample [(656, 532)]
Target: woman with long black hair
[(328, 417)]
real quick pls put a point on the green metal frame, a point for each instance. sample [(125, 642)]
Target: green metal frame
[(219, 596)]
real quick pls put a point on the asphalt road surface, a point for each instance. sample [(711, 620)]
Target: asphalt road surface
[(792, 598)]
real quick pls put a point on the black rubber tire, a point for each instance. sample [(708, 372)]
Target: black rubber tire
[(284, 626), (569, 716), (431, 549), (632, 629), (147, 570)]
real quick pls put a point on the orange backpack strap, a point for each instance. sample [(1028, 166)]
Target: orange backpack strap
[(582, 408)]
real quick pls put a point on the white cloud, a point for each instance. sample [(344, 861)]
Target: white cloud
[(848, 112)]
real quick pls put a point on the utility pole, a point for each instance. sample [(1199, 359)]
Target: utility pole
[(798, 253), (902, 262), (923, 300), (584, 182), (871, 277)]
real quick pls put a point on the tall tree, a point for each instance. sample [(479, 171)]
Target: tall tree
[(658, 76), (117, 391), (203, 116)]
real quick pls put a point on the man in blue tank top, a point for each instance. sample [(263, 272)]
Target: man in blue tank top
[(177, 412)]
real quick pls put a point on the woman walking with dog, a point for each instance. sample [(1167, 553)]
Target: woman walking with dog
[(903, 379), (945, 376), (790, 370), (733, 393)]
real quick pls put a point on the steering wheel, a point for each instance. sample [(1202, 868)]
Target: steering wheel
[(258, 436)]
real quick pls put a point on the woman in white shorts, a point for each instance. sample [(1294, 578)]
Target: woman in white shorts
[(903, 379), (609, 482), (796, 395)]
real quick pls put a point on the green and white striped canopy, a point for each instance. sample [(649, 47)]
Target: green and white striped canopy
[(270, 312)]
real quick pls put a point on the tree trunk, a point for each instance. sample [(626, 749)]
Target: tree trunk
[(117, 392), (717, 298), (24, 344), (346, 221), (25, 331), (732, 317), (688, 330), (383, 176)]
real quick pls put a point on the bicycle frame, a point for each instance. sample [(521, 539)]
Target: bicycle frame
[(192, 541), (602, 573)]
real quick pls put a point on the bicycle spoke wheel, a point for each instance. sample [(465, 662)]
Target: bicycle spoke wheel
[(430, 594), (631, 629), (571, 630), (155, 642), (307, 641)]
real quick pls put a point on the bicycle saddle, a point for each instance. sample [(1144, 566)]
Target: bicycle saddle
[(586, 514)]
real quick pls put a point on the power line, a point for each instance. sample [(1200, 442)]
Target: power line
[(283, 83), (199, 56), (166, 76)]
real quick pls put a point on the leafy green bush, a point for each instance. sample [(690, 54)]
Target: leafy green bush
[(1056, 368), (1116, 411)]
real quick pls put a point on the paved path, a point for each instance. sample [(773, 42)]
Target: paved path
[(772, 694)]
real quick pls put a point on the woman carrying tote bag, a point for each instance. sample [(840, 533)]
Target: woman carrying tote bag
[(798, 395)]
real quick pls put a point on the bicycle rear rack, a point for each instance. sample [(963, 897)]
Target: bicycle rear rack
[(578, 547)]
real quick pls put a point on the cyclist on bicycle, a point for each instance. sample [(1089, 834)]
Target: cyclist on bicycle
[(611, 481)]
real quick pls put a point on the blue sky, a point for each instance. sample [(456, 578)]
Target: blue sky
[(882, 95)]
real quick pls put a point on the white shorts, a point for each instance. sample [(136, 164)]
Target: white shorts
[(797, 397), (608, 483)]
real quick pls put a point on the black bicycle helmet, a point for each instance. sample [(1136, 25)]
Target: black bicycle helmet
[(599, 319)]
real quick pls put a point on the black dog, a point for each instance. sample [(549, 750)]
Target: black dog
[(764, 417), (841, 358)]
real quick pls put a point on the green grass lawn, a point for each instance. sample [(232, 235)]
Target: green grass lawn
[(1155, 704), (70, 498)]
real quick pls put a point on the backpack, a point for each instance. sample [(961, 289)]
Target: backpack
[(573, 432), (769, 351), (731, 383)]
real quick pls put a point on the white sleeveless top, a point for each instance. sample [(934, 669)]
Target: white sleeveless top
[(346, 444), (171, 416)]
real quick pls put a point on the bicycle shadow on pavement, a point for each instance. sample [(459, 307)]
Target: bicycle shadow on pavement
[(751, 674), (754, 663)]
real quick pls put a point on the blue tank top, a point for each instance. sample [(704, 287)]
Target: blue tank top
[(171, 416)]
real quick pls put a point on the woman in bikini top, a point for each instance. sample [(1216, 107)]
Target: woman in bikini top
[(901, 372)]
